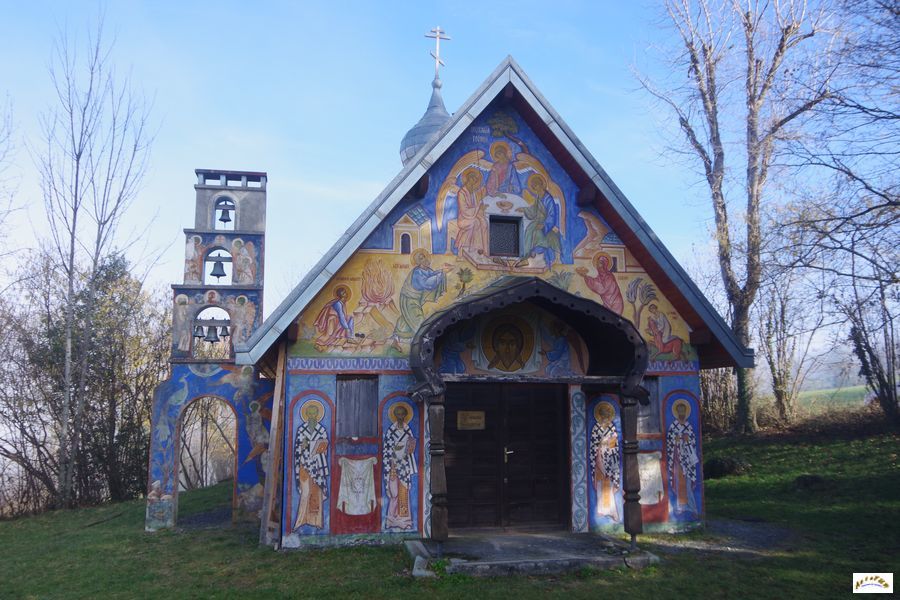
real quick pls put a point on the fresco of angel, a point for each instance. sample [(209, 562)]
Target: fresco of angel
[(477, 187)]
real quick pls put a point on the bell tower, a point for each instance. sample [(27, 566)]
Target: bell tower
[(219, 304)]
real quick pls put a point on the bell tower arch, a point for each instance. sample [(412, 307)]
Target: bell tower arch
[(217, 305)]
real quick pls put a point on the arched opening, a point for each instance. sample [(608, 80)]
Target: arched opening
[(217, 267), (528, 407), (405, 243), (212, 334), (207, 442), (224, 215)]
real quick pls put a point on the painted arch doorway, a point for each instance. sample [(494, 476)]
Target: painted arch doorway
[(507, 455), (207, 443)]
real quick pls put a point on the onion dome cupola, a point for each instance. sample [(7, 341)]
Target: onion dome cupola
[(431, 122), (435, 115)]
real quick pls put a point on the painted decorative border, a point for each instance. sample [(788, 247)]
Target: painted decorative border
[(579, 462), (377, 364)]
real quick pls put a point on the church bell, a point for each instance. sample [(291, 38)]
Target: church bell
[(223, 332), (225, 217), (198, 331), (211, 336), (218, 270)]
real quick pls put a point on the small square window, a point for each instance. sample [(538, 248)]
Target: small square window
[(505, 236)]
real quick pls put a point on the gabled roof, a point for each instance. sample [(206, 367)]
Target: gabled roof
[(714, 340)]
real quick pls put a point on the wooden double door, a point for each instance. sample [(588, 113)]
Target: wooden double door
[(507, 455)]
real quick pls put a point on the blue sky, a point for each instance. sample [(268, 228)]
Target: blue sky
[(320, 94)]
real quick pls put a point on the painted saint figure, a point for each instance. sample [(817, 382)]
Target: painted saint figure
[(399, 460), (311, 466), (423, 284), (681, 450), (559, 363), (660, 329), (604, 283), (181, 319), (503, 178), (605, 460), (542, 232), (333, 324), (193, 259), (472, 225), (244, 262), (243, 315)]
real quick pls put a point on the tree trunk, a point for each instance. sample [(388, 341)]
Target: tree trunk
[(746, 414)]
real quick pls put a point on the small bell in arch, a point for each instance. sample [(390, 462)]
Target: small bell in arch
[(211, 336), (218, 270), (198, 331), (225, 217), (223, 332)]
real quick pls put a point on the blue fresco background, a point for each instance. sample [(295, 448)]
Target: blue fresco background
[(237, 387)]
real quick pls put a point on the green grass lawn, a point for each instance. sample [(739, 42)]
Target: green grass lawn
[(853, 526), (818, 401)]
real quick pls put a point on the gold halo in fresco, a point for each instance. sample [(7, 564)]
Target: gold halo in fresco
[(414, 257), (536, 182), (496, 146), (685, 404), (507, 342), (409, 412), (346, 289), (604, 411), (471, 172), (310, 404), (609, 261)]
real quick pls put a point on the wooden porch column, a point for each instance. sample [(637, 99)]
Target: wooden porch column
[(632, 479), (439, 527)]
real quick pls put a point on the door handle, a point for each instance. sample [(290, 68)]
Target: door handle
[(506, 454)]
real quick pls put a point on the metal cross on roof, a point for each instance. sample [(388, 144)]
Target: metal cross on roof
[(437, 34)]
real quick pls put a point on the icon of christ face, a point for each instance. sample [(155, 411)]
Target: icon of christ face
[(508, 344)]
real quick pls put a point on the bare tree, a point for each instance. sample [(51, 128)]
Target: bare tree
[(845, 224), (91, 164), (7, 147), (750, 74), (791, 314), (207, 443)]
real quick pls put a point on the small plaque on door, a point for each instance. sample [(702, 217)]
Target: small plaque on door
[(469, 419)]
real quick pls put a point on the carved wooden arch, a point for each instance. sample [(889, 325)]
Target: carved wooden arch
[(429, 386)]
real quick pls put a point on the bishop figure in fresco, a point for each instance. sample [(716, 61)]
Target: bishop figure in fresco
[(605, 460), (681, 449), (399, 459), (311, 466)]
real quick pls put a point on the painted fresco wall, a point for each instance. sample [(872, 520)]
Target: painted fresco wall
[(243, 307), (669, 457), (427, 255), (373, 306), (245, 250), (251, 400), (533, 343), (352, 487)]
